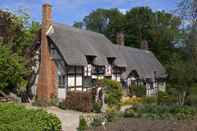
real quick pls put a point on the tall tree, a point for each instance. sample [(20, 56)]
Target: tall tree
[(17, 33), (105, 21), (187, 9), (182, 76), (159, 29)]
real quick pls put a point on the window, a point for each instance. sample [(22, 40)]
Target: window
[(71, 80), (75, 76)]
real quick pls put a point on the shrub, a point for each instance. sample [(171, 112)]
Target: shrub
[(18, 118), (81, 101), (139, 91), (82, 124), (150, 100), (132, 101), (192, 98), (62, 105), (113, 92), (97, 107), (165, 99), (162, 112), (97, 121)]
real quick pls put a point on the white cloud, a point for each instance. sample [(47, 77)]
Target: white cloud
[(123, 11)]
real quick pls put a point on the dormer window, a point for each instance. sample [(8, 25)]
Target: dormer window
[(110, 61), (90, 59)]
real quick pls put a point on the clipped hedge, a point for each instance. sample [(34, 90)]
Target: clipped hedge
[(14, 117), (80, 101)]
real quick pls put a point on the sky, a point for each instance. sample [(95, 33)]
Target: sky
[(69, 11)]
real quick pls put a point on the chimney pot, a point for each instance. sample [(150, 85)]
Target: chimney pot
[(120, 38), (47, 15)]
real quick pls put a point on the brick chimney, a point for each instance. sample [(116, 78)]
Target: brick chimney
[(46, 81), (120, 38)]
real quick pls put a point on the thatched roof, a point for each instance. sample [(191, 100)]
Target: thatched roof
[(75, 44)]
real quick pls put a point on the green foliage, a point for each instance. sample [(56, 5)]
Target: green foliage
[(18, 35), (152, 100), (62, 105), (97, 107), (192, 97), (139, 91), (97, 121), (164, 98), (12, 70), (162, 112), (18, 118), (82, 124), (106, 21), (160, 29), (113, 93), (182, 75)]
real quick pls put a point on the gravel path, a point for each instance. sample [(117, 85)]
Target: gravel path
[(69, 119)]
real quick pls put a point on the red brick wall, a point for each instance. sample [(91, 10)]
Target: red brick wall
[(47, 73)]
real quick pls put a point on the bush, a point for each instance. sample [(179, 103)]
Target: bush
[(62, 105), (97, 107), (162, 112), (81, 101), (165, 99), (97, 121), (150, 100), (139, 91), (113, 93), (192, 98), (82, 124), (18, 118), (133, 101)]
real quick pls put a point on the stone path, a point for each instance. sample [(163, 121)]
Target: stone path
[(69, 119)]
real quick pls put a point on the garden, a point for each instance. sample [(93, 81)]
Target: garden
[(14, 117), (143, 111)]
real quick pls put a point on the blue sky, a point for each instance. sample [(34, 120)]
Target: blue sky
[(68, 11)]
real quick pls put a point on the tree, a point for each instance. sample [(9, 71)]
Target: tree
[(182, 75), (78, 25), (105, 21), (187, 9), (18, 33), (159, 29), (12, 70)]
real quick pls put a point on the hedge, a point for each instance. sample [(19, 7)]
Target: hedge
[(14, 117), (81, 101)]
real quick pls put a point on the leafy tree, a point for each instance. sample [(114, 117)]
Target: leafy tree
[(78, 25), (139, 25), (12, 70), (182, 75), (159, 29), (17, 33), (105, 21)]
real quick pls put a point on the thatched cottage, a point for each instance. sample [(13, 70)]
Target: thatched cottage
[(71, 59)]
